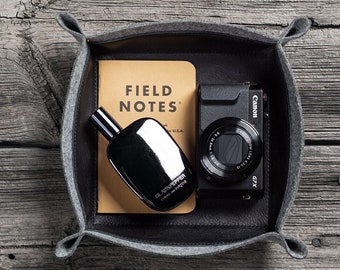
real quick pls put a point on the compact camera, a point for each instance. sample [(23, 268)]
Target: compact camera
[(230, 141)]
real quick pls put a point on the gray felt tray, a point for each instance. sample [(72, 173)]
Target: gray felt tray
[(221, 54)]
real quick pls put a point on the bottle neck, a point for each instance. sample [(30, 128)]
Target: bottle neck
[(105, 124)]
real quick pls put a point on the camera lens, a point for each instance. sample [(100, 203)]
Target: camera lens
[(231, 149)]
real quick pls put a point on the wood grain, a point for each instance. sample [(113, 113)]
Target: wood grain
[(34, 91), (36, 59), (36, 213), (315, 62), (35, 206), (30, 113), (324, 12)]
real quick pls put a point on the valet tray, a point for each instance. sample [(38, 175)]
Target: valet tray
[(221, 54)]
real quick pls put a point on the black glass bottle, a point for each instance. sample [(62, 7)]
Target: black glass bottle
[(148, 160)]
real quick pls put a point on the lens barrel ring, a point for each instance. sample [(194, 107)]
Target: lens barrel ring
[(220, 172)]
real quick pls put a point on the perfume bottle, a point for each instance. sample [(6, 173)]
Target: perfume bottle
[(148, 160)]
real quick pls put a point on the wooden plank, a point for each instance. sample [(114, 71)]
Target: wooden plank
[(38, 257), (324, 12), (36, 57), (35, 71), (30, 111), (35, 207), (99, 255), (37, 62), (315, 215), (315, 63), (35, 213)]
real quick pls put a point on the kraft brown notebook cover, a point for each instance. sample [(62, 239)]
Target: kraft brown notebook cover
[(129, 90)]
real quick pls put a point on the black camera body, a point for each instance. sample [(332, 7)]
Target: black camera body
[(230, 141)]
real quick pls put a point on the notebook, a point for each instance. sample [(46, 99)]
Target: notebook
[(129, 90)]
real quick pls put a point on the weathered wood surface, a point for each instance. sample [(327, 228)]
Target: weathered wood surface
[(36, 58)]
